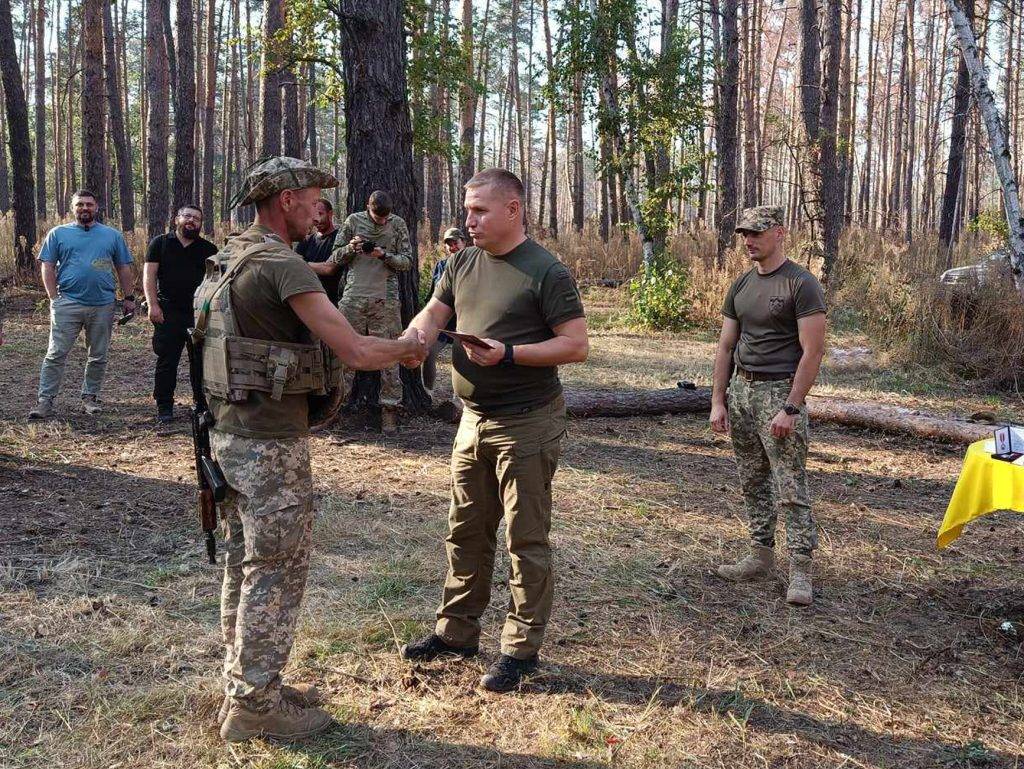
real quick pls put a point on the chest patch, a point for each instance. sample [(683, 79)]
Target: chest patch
[(776, 304)]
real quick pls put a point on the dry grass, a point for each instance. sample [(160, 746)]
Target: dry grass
[(108, 614)]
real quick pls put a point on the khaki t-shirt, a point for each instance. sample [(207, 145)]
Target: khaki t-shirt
[(767, 308), (259, 297), (516, 298)]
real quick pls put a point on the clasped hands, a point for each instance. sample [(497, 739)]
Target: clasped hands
[(417, 343)]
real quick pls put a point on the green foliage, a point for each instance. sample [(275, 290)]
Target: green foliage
[(658, 296), (659, 89), (992, 223)]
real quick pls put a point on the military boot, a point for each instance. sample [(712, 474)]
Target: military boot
[(284, 721), (91, 405), (757, 564), (801, 592), (43, 409), (303, 695), (388, 420)]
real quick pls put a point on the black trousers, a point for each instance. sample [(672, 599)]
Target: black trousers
[(168, 342)]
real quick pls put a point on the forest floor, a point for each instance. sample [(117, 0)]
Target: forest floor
[(109, 640)]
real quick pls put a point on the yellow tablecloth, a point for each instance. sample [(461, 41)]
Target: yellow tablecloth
[(985, 485)]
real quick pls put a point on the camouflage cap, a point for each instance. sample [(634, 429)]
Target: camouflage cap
[(269, 176), (454, 233), (761, 218)]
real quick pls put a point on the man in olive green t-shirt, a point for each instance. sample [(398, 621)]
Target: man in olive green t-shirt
[(261, 443), (773, 333), (523, 303)]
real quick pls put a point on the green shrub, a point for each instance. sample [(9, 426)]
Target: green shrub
[(659, 296)]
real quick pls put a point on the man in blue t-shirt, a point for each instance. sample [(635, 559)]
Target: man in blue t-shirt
[(81, 262)]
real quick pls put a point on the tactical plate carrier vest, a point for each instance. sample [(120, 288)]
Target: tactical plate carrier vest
[(234, 365)]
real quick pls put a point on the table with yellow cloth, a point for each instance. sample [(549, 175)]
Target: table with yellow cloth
[(985, 485)]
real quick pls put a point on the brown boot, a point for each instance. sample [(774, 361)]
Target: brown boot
[(284, 721), (303, 695), (388, 420), (801, 592), (757, 564)]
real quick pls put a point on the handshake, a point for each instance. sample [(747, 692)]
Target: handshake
[(416, 343)]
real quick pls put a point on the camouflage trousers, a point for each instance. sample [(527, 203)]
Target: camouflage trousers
[(268, 524), (773, 471), (381, 318)]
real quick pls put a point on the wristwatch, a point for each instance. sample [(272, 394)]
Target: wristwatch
[(507, 358), (791, 410)]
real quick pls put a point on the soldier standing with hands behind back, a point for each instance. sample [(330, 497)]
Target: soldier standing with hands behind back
[(774, 333)]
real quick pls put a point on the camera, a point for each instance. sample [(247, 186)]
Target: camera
[(368, 246)]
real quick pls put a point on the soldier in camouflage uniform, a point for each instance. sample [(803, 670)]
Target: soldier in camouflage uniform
[(262, 294), (370, 298), (773, 335)]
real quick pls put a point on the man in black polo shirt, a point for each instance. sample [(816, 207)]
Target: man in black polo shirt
[(175, 265), (318, 245)]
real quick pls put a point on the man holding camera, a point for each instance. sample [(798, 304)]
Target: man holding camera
[(374, 245)]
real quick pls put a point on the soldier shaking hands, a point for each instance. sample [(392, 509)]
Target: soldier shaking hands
[(524, 304)]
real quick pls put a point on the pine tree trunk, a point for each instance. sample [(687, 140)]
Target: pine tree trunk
[(209, 118), (467, 105), (552, 225), (270, 81), (726, 126), (291, 131), (830, 175), (94, 149), (19, 144), (157, 123), (374, 54), (311, 132), (957, 144), (185, 108), (40, 88), (119, 134)]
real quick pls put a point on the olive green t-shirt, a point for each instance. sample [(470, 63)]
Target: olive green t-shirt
[(516, 298), (259, 297), (767, 308)]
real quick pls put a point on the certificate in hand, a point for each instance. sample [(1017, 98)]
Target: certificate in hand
[(470, 339)]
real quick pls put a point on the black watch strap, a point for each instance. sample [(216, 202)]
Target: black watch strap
[(508, 358), (790, 409)]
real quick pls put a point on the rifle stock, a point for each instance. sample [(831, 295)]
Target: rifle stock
[(213, 486)]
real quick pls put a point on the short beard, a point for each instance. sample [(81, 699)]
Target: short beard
[(190, 232), (85, 217)]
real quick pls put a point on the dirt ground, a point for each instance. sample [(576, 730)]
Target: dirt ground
[(108, 611)]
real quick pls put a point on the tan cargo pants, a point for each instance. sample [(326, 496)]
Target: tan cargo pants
[(502, 466), (380, 318)]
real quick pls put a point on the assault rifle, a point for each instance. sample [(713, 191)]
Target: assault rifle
[(213, 487)]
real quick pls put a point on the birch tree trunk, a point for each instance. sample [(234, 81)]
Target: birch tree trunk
[(998, 147)]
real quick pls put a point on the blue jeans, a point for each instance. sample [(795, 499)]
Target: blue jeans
[(67, 319)]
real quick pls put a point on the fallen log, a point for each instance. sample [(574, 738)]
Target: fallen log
[(869, 416)]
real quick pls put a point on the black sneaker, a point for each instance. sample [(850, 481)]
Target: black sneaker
[(507, 673), (432, 647), (164, 414)]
